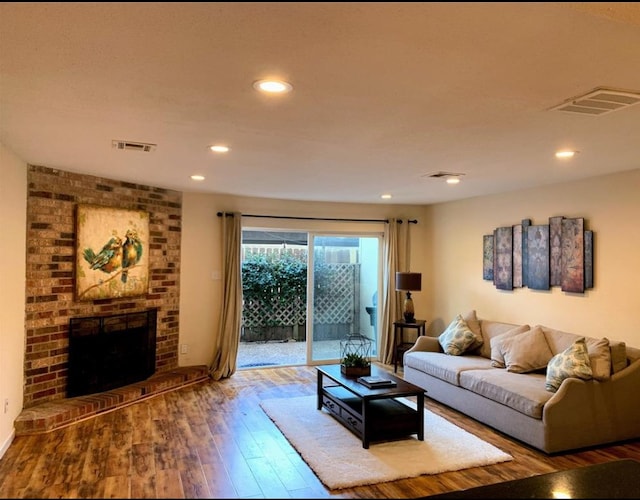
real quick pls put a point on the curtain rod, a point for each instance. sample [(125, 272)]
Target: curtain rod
[(230, 214)]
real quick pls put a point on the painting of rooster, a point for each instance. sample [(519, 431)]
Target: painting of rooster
[(111, 260)]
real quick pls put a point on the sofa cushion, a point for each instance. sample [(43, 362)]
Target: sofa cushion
[(573, 362), (489, 330), (526, 352), (497, 359), (559, 341), (599, 358), (457, 337), (618, 356), (524, 393), (474, 325), (447, 368)]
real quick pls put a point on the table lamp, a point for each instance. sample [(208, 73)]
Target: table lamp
[(408, 282)]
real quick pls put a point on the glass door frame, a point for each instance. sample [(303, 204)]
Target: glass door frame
[(311, 245)]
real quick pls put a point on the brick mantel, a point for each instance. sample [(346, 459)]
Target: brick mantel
[(50, 302)]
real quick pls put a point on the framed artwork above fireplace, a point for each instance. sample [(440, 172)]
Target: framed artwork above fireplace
[(112, 252)]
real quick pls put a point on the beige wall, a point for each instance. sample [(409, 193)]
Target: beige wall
[(200, 294), (610, 206), (446, 248), (13, 214)]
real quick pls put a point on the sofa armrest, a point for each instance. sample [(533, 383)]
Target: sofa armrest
[(428, 344), (586, 412)]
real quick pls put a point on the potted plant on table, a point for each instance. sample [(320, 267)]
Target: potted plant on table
[(355, 365), (355, 360)]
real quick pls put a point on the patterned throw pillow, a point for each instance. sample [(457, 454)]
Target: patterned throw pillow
[(471, 318), (457, 338), (573, 362), (599, 358)]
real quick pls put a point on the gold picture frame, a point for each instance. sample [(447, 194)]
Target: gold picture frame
[(112, 252)]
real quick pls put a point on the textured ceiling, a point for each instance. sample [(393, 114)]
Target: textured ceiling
[(384, 94)]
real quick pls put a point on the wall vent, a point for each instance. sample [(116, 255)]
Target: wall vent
[(134, 146), (599, 101)]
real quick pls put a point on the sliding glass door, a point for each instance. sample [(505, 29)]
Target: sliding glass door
[(343, 289), (274, 296), (305, 292)]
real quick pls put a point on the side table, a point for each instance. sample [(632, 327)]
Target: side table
[(400, 345)]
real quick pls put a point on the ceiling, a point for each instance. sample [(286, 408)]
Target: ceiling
[(384, 94)]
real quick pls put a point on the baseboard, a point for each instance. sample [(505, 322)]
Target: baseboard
[(7, 442)]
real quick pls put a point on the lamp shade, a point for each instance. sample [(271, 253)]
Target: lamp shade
[(408, 282)]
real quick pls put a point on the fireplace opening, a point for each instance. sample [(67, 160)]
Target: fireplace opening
[(106, 352)]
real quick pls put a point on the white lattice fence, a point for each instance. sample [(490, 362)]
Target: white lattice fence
[(338, 305), (256, 313)]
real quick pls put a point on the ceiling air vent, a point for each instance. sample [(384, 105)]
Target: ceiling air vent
[(438, 175), (134, 146), (599, 101)]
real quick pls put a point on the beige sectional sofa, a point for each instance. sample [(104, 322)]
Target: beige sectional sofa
[(517, 397)]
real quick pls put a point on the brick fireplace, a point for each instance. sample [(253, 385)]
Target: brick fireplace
[(50, 303)]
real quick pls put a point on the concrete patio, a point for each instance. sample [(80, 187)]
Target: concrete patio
[(278, 353)]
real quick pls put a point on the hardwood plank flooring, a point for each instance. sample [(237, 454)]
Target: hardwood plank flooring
[(212, 440)]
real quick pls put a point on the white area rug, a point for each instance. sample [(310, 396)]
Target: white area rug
[(337, 457)]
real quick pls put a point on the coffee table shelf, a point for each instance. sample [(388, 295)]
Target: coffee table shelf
[(371, 414)]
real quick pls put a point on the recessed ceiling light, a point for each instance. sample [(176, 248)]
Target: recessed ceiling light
[(197, 177), (453, 179), (219, 148), (272, 86), (565, 154), (386, 196)]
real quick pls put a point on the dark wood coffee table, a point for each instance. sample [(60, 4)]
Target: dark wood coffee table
[(371, 414)]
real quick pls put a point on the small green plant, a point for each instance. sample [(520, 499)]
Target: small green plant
[(353, 360)]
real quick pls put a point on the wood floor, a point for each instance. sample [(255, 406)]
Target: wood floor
[(212, 440)]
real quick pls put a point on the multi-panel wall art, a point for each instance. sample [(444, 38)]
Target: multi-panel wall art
[(539, 256)]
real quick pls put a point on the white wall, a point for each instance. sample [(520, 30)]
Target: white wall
[(13, 220), (200, 295), (610, 206)]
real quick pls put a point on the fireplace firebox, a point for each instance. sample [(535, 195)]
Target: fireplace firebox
[(106, 352)]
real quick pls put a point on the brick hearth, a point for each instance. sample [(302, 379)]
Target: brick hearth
[(53, 415)]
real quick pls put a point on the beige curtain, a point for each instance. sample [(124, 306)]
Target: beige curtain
[(395, 256), (226, 345)]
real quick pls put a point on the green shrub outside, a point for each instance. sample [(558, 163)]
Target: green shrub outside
[(280, 280)]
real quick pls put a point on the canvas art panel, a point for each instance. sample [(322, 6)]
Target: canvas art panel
[(503, 264), (525, 251), (573, 255), (517, 256), (588, 259), (538, 241), (112, 252), (525, 223), (555, 251), (487, 257)]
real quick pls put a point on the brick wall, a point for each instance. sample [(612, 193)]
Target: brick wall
[(50, 302)]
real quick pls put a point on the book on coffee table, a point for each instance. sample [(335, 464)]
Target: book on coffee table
[(376, 382)]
